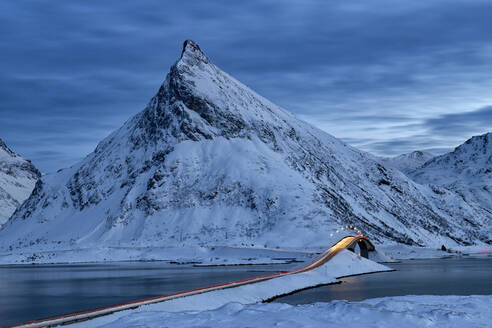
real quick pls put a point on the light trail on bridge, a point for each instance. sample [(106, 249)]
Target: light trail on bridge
[(347, 242)]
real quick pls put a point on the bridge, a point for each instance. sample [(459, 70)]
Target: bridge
[(349, 242), (365, 246)]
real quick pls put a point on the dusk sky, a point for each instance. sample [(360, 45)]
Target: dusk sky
[(385, 76)]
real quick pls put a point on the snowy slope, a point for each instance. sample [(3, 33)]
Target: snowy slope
[(17, 179), (408, 162), (210, 162), (467, 170), (388, 312)]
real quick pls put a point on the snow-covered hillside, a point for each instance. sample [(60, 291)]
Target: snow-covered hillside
[(408, 162), (466, 170), (17, 179), (210, 162)]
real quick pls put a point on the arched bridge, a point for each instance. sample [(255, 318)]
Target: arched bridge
[(349, 242), (364, 244)]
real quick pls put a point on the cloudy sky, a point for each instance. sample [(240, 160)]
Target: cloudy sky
[(386, 76)]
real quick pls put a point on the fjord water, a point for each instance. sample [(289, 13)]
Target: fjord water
[(29, 292), (451, 276), (36, 291)]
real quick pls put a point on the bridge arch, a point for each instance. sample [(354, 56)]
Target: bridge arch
[(364, 244)]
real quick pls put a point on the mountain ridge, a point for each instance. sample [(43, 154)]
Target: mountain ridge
[(466, 170), (17, 179), (409, 161), (209, 161)]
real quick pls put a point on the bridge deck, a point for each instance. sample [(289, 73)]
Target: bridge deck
[(343, 243)]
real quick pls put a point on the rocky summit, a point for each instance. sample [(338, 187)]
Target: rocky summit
[(17, 179), (467, 170)]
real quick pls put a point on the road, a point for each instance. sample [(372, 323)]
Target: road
[(344, 243)]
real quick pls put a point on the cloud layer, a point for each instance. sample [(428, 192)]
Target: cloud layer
[(386, 76)]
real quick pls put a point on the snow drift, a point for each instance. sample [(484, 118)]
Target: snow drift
[(401, 311)]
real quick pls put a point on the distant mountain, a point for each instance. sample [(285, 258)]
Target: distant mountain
[(210, 162), (17, 179), (408, 162), (467, 170)]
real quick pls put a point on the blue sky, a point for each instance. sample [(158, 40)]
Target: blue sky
[(385, 76)]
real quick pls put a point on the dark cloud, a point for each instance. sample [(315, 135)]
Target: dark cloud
[(437, 132), (462, 123), (376, 73), (398, 146)]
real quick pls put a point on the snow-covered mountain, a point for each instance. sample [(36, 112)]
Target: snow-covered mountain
[(17, 179), (209, 161), (467, 170), (408, 162)]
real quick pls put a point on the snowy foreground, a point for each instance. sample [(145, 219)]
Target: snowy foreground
[(403, 311), (343, 264)]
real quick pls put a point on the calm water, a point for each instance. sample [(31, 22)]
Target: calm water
[(34, 292), (459, 276), (30, 292)]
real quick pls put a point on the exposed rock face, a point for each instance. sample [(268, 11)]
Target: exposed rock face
[(209, 161), (467, 170), (408, 162), (17, 179)]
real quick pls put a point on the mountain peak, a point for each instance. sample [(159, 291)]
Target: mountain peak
[(418, 154), (211, 162), (17, 179), (466, 170), (409, 161), (4, 147), (202, 101), (482, 140), (476, 147), (191, 53)]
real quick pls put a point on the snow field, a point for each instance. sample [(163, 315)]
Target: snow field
[(402, 312)]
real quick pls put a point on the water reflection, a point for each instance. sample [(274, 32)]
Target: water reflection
[(33, 292)]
